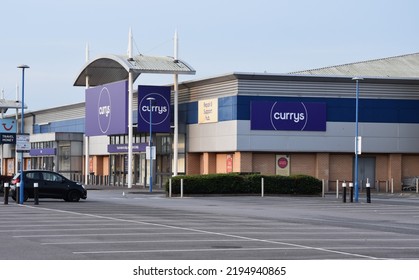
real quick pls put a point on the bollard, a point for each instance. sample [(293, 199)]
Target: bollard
[(17, 192), (337, 189), (344, 191), (36, 193), (368, 186), (262, 187), (6, 193), (181, 188), (392, 185), (351, 186)]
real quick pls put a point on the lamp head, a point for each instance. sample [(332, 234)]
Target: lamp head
[(23, 66)]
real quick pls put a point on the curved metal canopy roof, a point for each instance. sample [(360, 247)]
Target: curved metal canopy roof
[(112, 68)]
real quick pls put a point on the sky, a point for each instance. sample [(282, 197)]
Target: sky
[(216, 37)]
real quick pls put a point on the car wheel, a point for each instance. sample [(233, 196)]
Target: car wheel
[(25, 198), (73, 196)]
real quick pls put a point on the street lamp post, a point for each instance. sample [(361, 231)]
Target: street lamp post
[(150, 143), (22, 126), (357, 140)]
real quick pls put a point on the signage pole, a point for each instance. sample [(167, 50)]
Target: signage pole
[(22, 123), (150, 143), (176, 120), (130, 101), (17, 129), (357, 79), (86, 160)]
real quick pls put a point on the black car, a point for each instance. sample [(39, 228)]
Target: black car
[(50, 185)]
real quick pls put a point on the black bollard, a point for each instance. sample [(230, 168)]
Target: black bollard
[(368, 193), (351, 186), (36, 193), (6, 193), (344, 192)]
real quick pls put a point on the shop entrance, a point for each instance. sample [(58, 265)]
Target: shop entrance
[(44, 163), (161, 173), (141, 167), (366, 170)]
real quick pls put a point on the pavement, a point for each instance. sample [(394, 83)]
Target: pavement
[(117, 223)]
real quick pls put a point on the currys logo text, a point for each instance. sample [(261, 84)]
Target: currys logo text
[(289, 116), (105, 110), (155, 109), (285, 116)]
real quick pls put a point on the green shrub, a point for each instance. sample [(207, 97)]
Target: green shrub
[(234, 183)]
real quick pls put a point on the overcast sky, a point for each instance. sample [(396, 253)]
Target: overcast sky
[(215, 37)]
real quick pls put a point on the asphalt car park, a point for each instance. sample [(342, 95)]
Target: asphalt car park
[(121, 224)]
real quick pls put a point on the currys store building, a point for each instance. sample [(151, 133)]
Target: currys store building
[(305, 123), (285, 124)]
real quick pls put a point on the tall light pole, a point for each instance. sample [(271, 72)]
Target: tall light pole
[(150, 142), (357, 140), (22, 126)]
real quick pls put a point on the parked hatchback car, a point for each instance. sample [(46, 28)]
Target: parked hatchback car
[(50, 185)]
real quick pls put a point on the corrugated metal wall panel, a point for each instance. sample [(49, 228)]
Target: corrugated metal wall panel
[(221, 89), (327, 89), (60, 114)]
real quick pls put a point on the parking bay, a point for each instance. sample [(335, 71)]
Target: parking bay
[(119, 224)]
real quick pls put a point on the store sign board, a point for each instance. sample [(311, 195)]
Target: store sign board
[(303, 116), (208, 111), (22, 143), (8, 126), (106, 109), (159, 108), (43, 152), (7, 138), (282, 165), (123, 148)]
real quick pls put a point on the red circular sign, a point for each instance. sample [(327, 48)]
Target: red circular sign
[(282, 162)]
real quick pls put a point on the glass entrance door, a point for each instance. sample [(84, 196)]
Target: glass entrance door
[(366, 172), (142, 170)]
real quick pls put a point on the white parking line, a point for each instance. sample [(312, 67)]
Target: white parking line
[(189, 250), (100, 234), (144, 241)]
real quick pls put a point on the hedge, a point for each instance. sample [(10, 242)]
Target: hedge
[(234, 183)]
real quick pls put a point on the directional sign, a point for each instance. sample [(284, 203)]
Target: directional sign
[(22, 143)]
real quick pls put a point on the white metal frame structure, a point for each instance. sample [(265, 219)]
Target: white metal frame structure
[(111, 68)]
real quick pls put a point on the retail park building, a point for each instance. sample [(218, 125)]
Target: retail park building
[(296, 123)]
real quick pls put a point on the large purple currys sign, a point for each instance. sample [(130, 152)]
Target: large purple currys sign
[(160, 108), (304, 116), (106, 109)]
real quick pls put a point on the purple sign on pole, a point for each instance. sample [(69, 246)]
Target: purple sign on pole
[(123, 148), (42, 152), (304, 116), (160, 108), (106, 109)]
